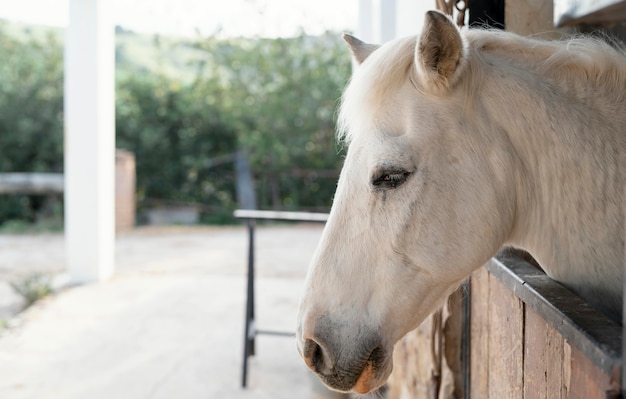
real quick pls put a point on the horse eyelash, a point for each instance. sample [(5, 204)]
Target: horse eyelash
[(391, 179)]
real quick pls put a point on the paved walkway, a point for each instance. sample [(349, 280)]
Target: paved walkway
[(168, 325)]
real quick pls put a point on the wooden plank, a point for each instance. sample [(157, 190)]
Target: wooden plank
[(587, 380), (414, 366), (543, 359), (523, 348), (584, 327), (31, 183), (506, 344), (479, 332), (452, 339), (530, 18)]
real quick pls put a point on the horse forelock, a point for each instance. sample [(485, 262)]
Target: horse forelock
[(372, 83)]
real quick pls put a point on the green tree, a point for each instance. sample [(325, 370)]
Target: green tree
[(175, 134), (31, 115), (275, 98), (280, 96)]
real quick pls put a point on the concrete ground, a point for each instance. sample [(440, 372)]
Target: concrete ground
[(168, 325)]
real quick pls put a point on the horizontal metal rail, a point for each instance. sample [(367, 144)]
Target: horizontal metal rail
[(281, 216)]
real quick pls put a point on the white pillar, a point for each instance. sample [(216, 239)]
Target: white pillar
[(410, 16), (384, 20), (365, 26), (385, 15), (377, 20), (90, 141)]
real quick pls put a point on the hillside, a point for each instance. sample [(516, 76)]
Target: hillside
[(175, 57)]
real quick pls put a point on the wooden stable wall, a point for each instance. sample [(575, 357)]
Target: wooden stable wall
[(427, 362), (530, 338), (516, 353)]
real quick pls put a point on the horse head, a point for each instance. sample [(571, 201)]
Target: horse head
[(412, 214)]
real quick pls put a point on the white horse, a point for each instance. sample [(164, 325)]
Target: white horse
[(460, 143)]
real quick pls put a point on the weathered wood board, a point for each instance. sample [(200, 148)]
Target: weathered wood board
[(514, 351)]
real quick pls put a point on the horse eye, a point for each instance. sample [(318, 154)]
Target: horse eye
[(390, 179)]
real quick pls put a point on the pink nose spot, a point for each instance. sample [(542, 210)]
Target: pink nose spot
[(366, 381)]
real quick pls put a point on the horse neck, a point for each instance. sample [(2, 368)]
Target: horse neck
[(568, 149)]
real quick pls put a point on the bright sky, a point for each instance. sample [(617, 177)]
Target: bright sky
[(182, 17)]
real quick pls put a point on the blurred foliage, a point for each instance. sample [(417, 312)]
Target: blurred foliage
[(174, 136), (31, 115), (280, 96), (184, 113), (32, 287)]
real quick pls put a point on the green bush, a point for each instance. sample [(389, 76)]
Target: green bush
[(31, 115), (175, 135), (273, 98), (280, 95)]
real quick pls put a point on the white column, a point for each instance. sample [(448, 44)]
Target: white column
[(377, 20), (385, 15), (90, 141), (384, 20), (365, 27), (410, 16)]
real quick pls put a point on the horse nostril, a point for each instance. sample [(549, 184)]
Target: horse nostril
[(313, 355)]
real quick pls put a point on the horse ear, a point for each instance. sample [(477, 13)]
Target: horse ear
[(440, 51), (360, 50)]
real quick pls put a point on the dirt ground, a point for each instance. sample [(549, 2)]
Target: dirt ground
[(283, 251), (168, 324)]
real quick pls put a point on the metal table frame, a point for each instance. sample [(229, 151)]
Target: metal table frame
[(250, 329)]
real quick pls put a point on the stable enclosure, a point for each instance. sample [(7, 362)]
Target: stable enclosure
[(511, 332), (533, 338)]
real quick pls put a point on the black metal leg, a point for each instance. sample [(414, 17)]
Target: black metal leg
[(246, 348), (249, 331), (251, 293)]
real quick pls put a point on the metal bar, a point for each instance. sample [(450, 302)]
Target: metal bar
[(249, 332), (251, 230), (280, 215), (276, 333)]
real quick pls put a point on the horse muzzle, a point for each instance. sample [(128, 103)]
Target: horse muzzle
[(354, 361)]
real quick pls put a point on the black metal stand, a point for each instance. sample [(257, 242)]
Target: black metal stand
[(250, 330)]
